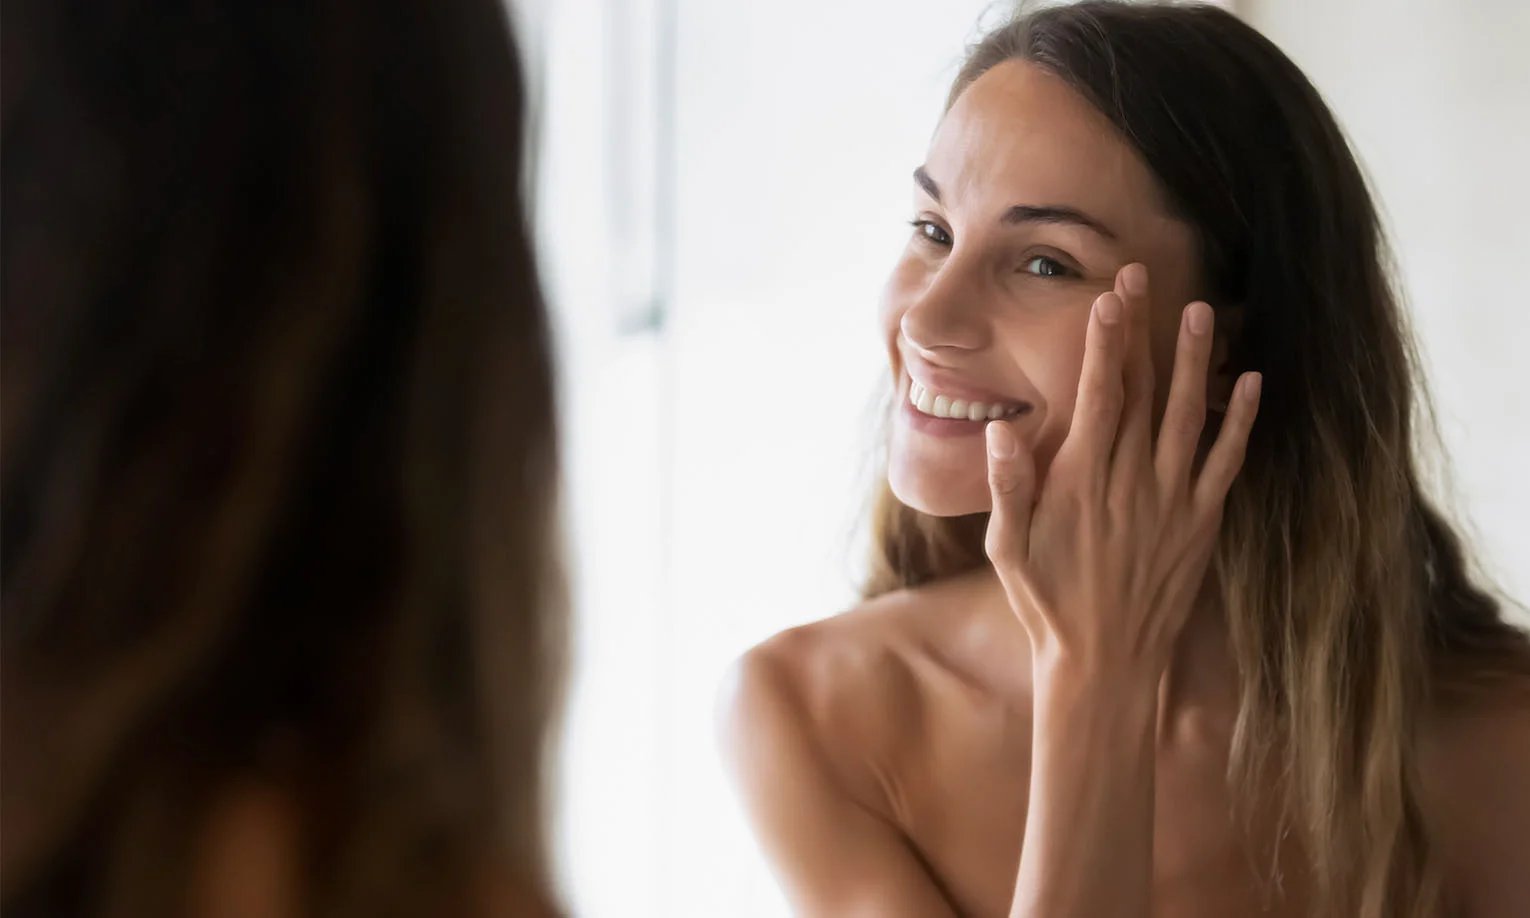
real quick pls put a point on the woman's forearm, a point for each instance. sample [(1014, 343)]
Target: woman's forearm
[(1088, 849)]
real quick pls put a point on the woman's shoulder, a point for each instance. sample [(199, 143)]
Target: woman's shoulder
[(844, 697), (836, 676), (1476, 771)]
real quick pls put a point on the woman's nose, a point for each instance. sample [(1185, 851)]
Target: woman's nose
[(947, 314)]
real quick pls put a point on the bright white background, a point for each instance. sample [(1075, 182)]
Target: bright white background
[(745, 165)]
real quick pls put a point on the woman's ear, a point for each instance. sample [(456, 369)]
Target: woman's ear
[(1222, 376)]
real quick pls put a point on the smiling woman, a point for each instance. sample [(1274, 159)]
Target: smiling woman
[(1184, 619), (1023, 211)]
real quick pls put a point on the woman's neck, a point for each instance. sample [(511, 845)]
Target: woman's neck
[(1199, 687)]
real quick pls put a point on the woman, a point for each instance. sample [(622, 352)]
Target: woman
[(280, 621), (1125, 649)]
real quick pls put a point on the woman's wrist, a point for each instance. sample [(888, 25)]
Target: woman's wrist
[(1108, 705), (1093, 675), (1091, 790), (1115, 703)]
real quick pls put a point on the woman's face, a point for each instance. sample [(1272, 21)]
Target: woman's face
[(1027, 205)]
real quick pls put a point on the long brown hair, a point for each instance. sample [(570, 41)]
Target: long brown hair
[(278, 454), (1347, 593)]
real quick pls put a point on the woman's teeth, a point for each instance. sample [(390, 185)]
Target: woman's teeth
[(940, 406)]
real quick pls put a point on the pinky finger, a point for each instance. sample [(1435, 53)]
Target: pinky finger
[(1225, 459)]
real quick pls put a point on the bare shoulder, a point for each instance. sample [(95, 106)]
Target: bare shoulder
[(1476, 769), (812, 726), (839, 691), (861, 686)]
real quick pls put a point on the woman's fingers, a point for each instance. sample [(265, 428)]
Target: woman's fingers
[(1185, 415), (1134, 439), (1097, 412), (1012, 483), (1226, 457)]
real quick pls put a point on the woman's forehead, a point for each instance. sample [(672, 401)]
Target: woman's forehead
[(1019, 135)]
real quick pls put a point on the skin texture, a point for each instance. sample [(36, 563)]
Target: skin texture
[(1049, 735)]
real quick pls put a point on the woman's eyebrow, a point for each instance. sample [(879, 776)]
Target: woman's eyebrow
[(923, 180), (1028, 213)]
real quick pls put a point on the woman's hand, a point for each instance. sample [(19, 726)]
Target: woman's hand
[(1103, 566)]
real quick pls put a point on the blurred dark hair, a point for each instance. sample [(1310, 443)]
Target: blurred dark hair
[(278, 455), (1348, 595)]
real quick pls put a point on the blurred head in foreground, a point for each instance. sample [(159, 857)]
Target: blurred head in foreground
[(281, 618)]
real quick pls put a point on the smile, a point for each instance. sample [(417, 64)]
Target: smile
[(942, 406)]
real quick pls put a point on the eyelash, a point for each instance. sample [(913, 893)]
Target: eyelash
[(923, 229), (1059, 269)]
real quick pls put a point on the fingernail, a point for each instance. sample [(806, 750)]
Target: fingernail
[(1001, 443), (1251, 386), (1109, 308), (1198, 317), (1134, 279)]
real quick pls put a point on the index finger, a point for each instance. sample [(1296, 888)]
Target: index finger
[(1133, 442)]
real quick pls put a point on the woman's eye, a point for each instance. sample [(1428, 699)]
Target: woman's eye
[(931, 232), (1042, 266)]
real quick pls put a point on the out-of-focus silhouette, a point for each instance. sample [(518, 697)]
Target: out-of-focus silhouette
[(278, 460)]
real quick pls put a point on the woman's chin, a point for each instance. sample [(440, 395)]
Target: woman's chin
[(937, 495)]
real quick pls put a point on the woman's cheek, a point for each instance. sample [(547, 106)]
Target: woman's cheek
[(1057, 382)]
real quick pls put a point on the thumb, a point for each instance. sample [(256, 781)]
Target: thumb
[(1012, 483)]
